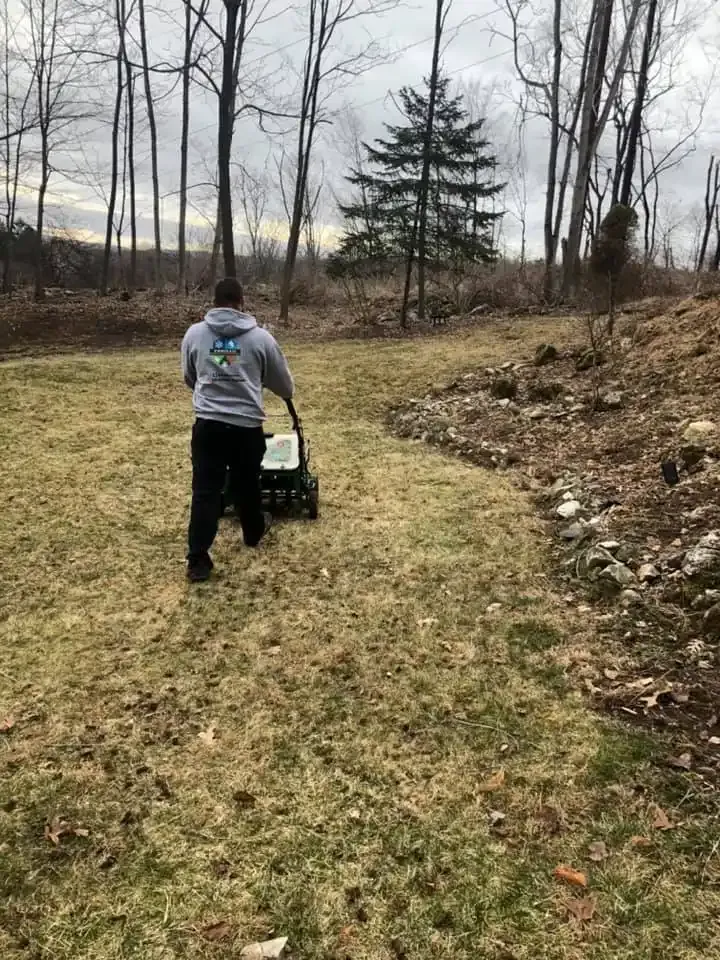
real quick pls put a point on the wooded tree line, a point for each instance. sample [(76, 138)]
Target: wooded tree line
[(593, 78)]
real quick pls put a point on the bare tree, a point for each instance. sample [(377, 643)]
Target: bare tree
[(712, 192), (594, 117), (130, 152), (54, 63), (442, 8), (150, 104), (319, 77), (16, 118), (121, 25), (193, 20)]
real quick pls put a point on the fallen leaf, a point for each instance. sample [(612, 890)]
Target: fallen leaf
[(714, 741), (640, 842), (325, 572), (54, 830), (583, 910), (217, 931), (598, 851), (496, 781), (6, 725), (683, 762), (573, 877), (208, 736), (496, 817), (661, 820), (58, 828), (611, 674)]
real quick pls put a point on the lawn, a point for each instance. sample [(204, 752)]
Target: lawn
[(364, 736)]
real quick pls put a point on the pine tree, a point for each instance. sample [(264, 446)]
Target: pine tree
[(381, 221)]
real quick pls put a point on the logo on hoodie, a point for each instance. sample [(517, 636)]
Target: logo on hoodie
[(225, 351)]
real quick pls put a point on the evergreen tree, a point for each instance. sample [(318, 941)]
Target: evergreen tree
[(381, 221)]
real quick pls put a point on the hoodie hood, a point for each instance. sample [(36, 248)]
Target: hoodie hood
[(226, 322)]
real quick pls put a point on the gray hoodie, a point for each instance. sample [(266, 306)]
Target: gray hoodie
[(227, 359)]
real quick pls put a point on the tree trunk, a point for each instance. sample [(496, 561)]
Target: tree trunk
[(550, 234), (308, 119), (132, 278), (636, 117), (215, 254), (153, 145), (711, 201), (107, 253), (184, 136), (40, 221), (427, 156), (593, 122), (226, 122)]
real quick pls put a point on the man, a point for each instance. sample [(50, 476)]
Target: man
[(227, 359)]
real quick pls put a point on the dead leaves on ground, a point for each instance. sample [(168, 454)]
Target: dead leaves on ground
[(209, 736), (598, 851), (583, 909), (57, 829), (215, 932), (661, 821), (6, 725), (568, 875), (496, 782)]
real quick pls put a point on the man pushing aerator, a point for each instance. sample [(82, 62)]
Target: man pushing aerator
[(227, 359)]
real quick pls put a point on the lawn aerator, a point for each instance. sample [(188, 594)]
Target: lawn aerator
[(285, 479)]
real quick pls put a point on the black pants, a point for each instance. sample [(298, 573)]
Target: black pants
[(215, 447)]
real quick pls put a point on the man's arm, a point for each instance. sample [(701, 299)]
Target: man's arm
[(188, 362), (277, 376)]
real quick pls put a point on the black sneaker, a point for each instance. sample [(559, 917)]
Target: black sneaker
[(198, 571)]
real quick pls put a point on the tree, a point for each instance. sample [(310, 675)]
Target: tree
[(381, 219), (150, 105), (442, 8), (16, 119), (193, 20), (613, 251), (712, 194), (325, 20), (54, 61), (121, 25), (594, 117)]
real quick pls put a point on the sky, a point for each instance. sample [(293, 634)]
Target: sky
[(475, 52)]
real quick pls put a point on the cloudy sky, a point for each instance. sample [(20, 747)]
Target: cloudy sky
[(475, 53)]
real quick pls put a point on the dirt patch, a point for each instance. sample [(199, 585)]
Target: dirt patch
[(632, 495)]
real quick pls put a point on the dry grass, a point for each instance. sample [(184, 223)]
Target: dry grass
[(360, 692)]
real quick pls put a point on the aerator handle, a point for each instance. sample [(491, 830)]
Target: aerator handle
[(293, 415)]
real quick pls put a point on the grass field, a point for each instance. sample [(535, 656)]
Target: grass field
[(335, 740)]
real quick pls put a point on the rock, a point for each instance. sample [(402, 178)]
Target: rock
[(691, 455), (537, 413), (612, 400), (576, 531), (588, 360), (504, 388), (545, 353), (569, 509), (702, 435), (545, 392), (504, 403), (618, 575), (269, 950), (593, 559), (711, 621), (628, 597), (648, 573), (611, 545), (704, 557)]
